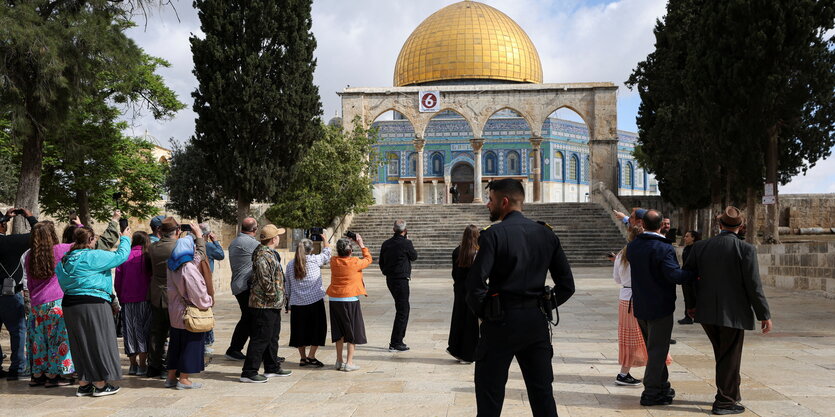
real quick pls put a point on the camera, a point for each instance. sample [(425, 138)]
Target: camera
[(185, 228), (351, 235), (315, 233), (117, 195), (19, 212)]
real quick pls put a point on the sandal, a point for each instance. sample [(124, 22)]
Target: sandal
[(304, 362), (58, 381), (315, 362), (37, 380)]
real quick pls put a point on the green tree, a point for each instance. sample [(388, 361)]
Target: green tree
[(9, 163), (51, 54), (734, 87), (257, 107), (333, 178), (95, 160), (192, 190)]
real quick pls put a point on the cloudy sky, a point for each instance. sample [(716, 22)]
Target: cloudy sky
[(359, 40)]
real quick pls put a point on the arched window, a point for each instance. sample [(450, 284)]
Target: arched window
[(490, 163), (393, 165), (437, 164), (558, 165), (513, 167), (586, 169), (573, 166), (627, 175), (413, 162)]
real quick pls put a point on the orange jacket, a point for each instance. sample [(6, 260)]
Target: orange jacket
[(346, 275)]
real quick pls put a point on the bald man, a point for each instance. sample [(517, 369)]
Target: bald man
[(240, 259)]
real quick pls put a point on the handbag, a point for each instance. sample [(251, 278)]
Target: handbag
[(196, 320)]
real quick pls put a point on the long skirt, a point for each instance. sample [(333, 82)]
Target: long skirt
[(136, 327), (49, 346), (632, 351), (185, 351), (347, 322), (92, 335), (463, 328), (308, 324)]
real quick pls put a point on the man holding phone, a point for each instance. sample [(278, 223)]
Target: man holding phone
[(396, 257), (12, 314)]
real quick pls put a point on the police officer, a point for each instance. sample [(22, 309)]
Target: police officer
[(504, 288)]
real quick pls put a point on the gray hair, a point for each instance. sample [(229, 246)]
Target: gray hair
[(343, 247), (399, 226), (204, 228), (307, 244)]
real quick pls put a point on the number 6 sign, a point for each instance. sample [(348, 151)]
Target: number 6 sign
[(430, 101)]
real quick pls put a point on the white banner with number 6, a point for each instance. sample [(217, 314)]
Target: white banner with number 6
[(430, 101)]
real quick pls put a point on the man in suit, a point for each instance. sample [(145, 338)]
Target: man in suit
[(396, 257), (655, 273), (728, 289)]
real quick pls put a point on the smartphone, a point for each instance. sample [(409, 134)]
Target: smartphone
[(185, 228), (19, 212), (123, 224)]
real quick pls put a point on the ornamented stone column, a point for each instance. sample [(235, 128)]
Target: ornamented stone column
[(419, 142), (537, 168), (477, 144), (434, 191), (402, 195)]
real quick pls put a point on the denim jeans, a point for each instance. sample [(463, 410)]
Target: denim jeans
[(12, 316)]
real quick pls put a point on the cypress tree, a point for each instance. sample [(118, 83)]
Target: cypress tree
[(257, 108)]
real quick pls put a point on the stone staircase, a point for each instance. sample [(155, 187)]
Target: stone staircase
[(586, 230)]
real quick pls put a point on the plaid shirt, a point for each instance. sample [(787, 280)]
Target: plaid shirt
[(309, 289), (267, 282)]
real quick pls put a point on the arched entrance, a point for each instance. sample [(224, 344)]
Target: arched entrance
[(462, 178)]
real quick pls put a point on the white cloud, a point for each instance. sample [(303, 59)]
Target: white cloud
[(358, 43)]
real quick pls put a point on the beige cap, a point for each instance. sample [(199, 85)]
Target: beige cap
[(270, 231)]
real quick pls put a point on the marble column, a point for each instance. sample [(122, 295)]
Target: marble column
[(419, 142), (414, 192), (434, 191), (402, 191), (447, 199), (477, 144), (536, 168)]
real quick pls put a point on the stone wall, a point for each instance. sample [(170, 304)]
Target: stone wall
[(800, 266), (805, 210)]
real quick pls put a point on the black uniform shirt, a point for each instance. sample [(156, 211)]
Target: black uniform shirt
[(513, 257)]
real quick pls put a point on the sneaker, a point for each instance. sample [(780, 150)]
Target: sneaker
[(193, 385), (627, 380), (142, 371), (132, 369), (279, 373), (233, 355), (337, 366), (686, 320), (84, 391), (171, 383), (349, 368), (106, 390), (733, 409), (398, 348), (257, 379)]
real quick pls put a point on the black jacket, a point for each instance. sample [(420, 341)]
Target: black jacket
[(11, 249), (729, 284), (655, 273), (396, 256), (512, 261)]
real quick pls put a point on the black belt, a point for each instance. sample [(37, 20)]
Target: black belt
[(515, 303)]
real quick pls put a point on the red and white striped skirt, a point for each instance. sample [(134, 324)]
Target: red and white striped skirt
[(632, 351)]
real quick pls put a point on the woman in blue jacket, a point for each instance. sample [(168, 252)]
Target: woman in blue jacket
[(84, 276)]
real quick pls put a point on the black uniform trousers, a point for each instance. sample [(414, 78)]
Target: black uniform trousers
[(263, 342), (242, 329), (522, 333), (727, 349), (160, 324), (656, 335), (399, 289)]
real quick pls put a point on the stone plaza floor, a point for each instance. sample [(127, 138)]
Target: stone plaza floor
[(790, 372)]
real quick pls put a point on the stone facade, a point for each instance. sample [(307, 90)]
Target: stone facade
[(805, 211), (800, 266)]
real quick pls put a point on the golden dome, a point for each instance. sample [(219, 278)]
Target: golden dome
[(467, 40)]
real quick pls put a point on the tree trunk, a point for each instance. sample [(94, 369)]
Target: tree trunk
[(772, 219), (751, 226), (28, 190), (243, 209), (83, 200)]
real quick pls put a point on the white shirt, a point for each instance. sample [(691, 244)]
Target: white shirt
[(622, 273)]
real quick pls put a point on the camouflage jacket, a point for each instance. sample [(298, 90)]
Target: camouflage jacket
[(267, 281)]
